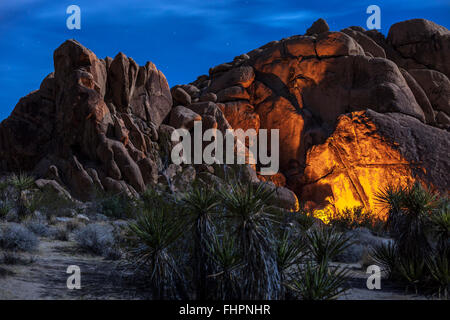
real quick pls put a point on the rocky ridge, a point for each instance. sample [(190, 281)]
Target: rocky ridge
[(355, 111)]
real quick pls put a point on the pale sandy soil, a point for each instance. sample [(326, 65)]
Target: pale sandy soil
[(46, 277), (388, 291)]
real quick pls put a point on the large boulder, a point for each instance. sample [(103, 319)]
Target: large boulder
[(421, 44), (93, 121), (311, 87), (367, 152)]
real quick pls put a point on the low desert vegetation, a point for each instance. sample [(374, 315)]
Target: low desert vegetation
[(95, 238), (16, 237), (419, 222), (231, 244), (357, 217)]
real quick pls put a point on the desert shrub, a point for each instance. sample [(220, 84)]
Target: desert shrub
[(59, 232), (73, 224), (319, 281), (326, 243), (50, 202), (353, 218), (95, 238), (38, 227), (117, 206), (16, 237), (304, 218), (14, 258), (5, 207)]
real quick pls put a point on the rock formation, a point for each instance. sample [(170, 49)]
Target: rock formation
[(92, 124), (355, 111)]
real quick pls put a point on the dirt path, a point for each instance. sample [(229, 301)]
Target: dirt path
[(388, 291), (46, 277)]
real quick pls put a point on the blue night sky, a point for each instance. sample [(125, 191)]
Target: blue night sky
[(184, 38)]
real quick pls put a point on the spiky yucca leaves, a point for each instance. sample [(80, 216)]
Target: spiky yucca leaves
[(326, 243), (412, 270), (4, 209), (225, 253), (290, 251), (409, 215), (247, 205), (391, 197), (156, 229), (387, 256), (201, 204), (439, 267), (441, 225), (21, 182), (319, 281), (3, 187)]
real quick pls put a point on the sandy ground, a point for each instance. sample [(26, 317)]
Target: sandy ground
[(388, 291), (45, 278)]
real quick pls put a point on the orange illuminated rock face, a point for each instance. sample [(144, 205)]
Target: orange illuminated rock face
[(354, 116), (354, 163)]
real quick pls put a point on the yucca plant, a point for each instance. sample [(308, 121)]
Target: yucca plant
[(201, 205), (409, 217), (289, 252), (21, 182), (247, 206), (326, 243), (4, 209), (319, 281), (412, 270), (392, 198), (439, 268), (441, 225), (387, 256), (3, 187), (224, 252), (155, 231)]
